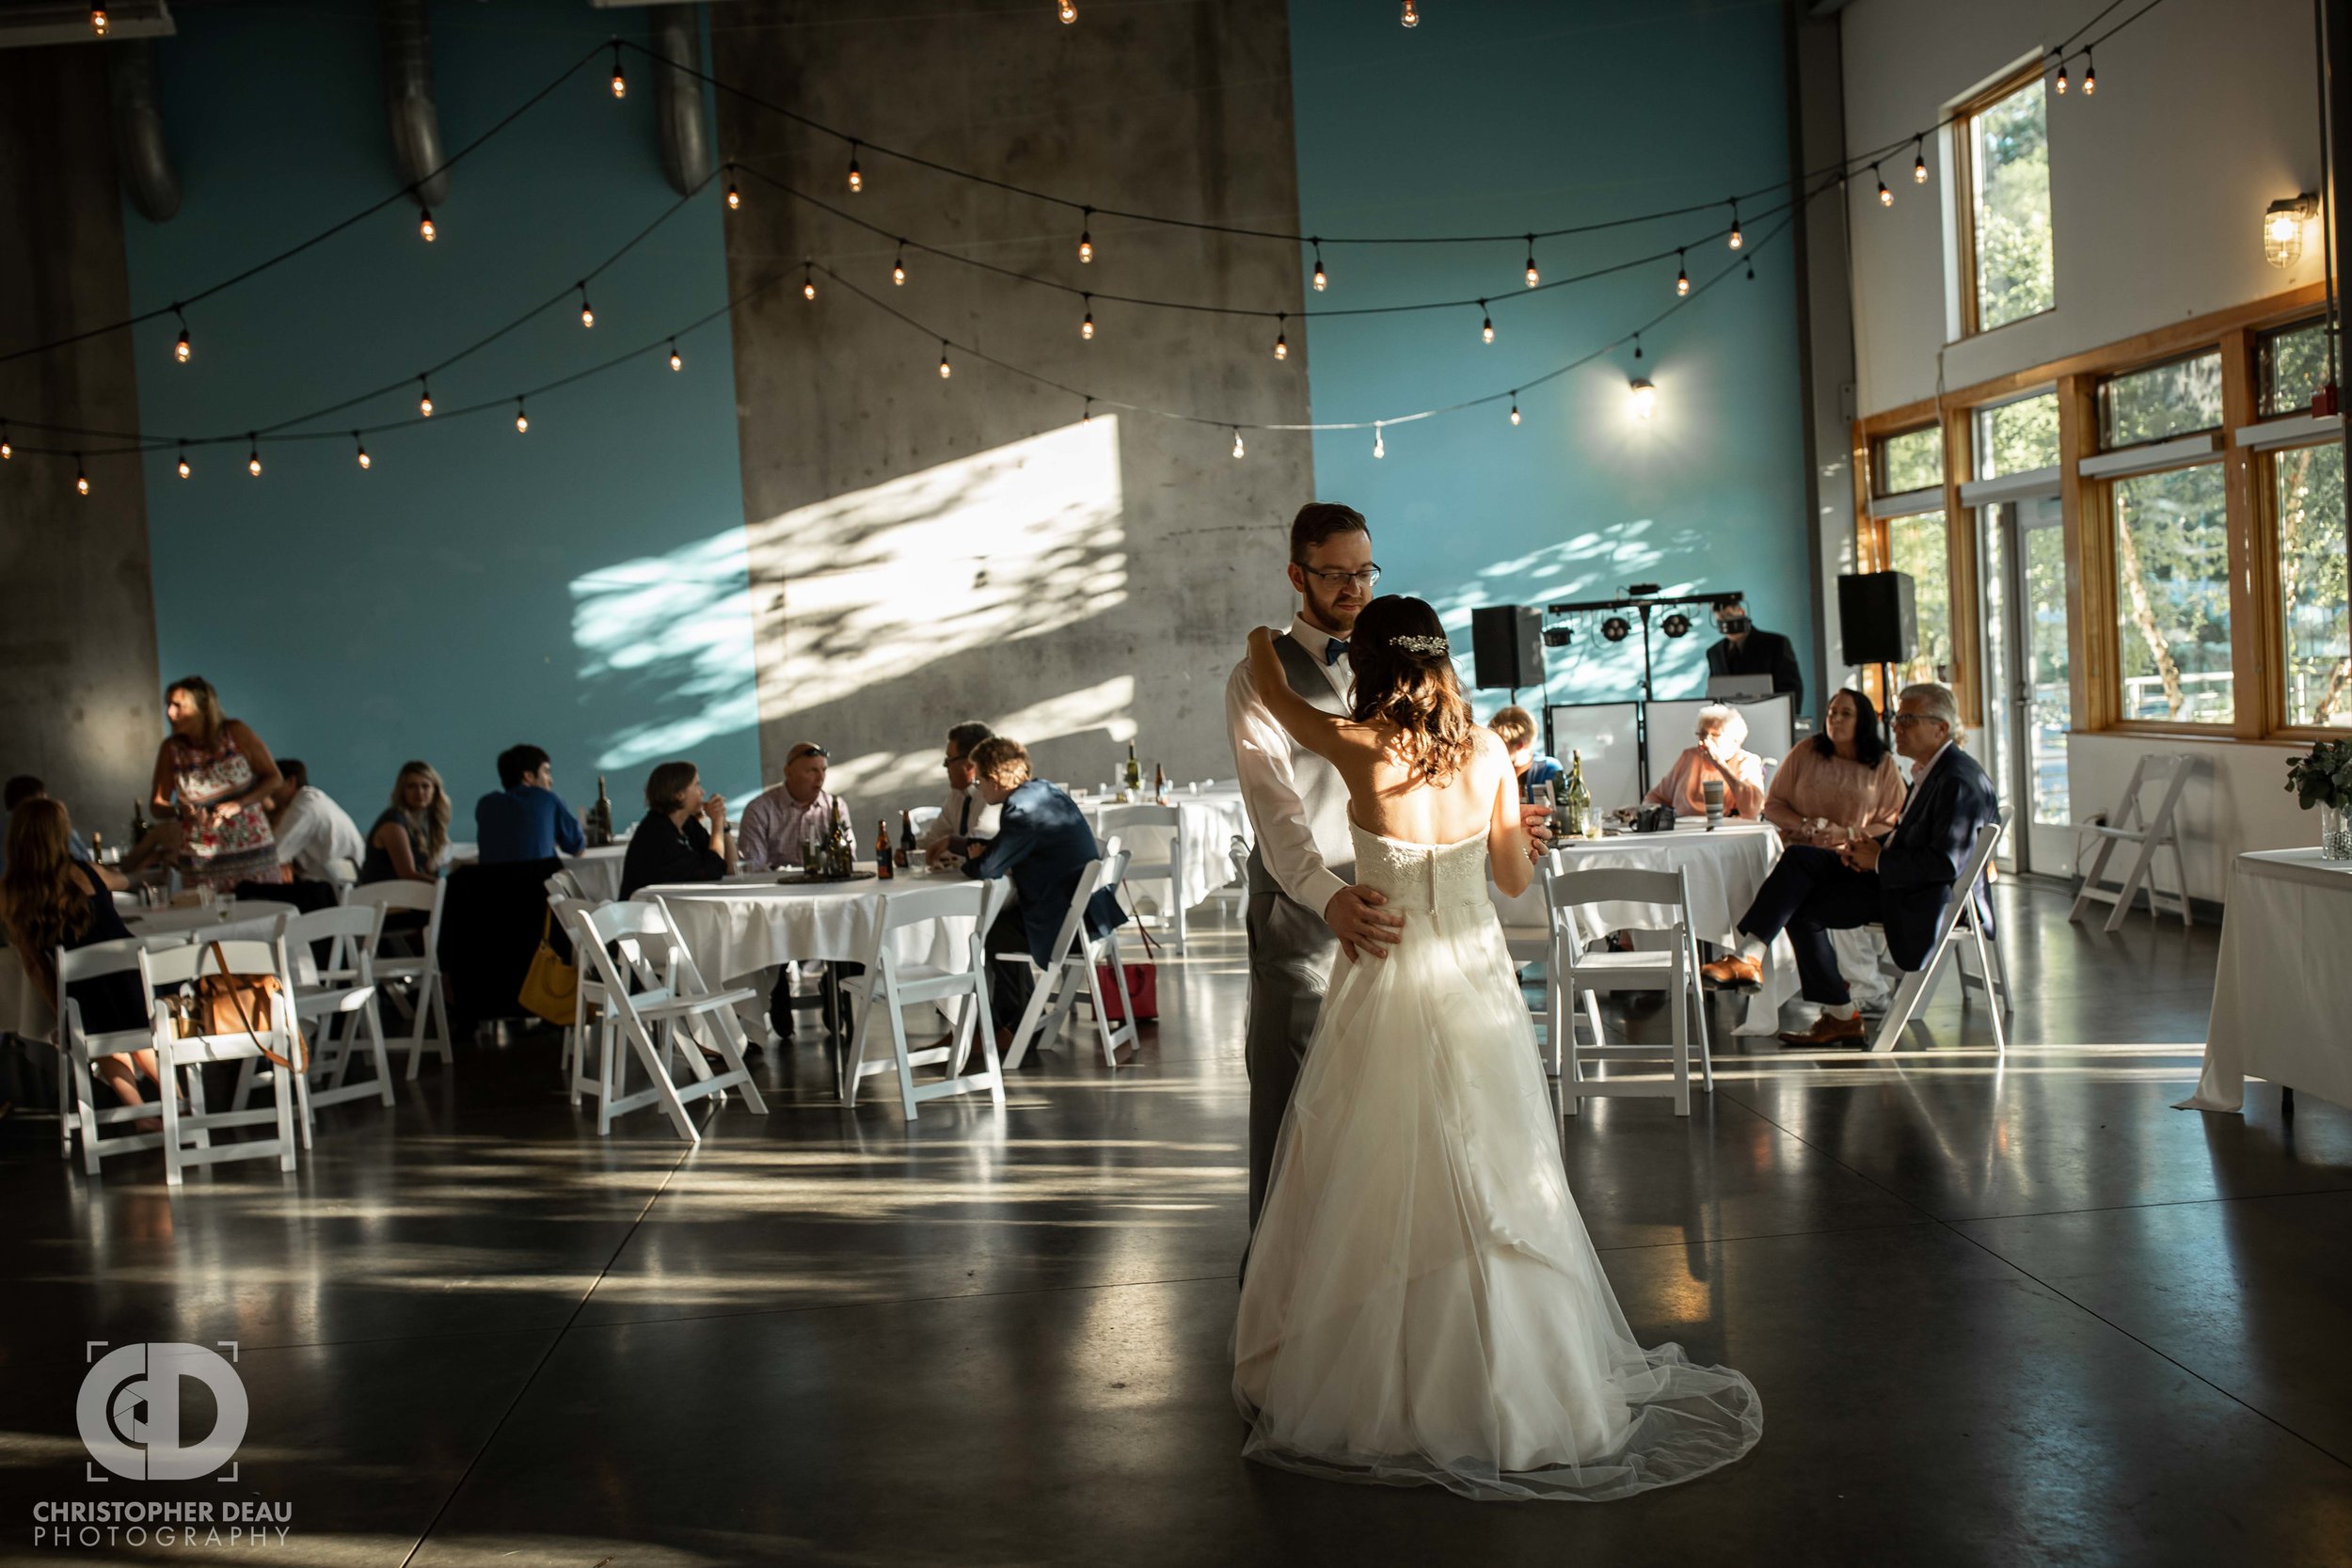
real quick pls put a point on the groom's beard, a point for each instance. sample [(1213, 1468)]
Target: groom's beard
[(1333, 619)]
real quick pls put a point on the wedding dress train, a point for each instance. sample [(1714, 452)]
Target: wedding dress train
[(1421, 1303)]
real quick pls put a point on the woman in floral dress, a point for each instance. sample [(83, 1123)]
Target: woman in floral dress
[(216, 775)]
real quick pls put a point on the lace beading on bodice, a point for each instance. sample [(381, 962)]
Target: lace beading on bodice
[(1421, 876)]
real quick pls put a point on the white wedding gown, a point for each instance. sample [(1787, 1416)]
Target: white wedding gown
[(1422, 1302)]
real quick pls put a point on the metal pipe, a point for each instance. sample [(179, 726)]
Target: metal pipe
[(676, 39), (416, 124), (141, 154)]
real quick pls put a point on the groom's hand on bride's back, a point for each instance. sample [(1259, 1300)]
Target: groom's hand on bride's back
[(1356, 919)]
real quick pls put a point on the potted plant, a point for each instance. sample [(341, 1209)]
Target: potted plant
[(2324, 779)]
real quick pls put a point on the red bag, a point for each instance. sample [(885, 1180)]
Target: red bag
[(1143, 982)]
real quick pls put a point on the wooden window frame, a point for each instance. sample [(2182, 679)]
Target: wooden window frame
[(1963, 163)]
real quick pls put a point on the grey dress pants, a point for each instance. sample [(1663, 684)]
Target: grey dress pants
[(1290, 955)]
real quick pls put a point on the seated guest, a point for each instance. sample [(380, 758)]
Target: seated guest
[(1043, 843), (524, 819), (964, 817), (406, 841), (684, 835), (796, 812), (49, 899), (311, 829), (1720, 758), (1901, 882), (25, 787), (1840, 784), (1516, 728)]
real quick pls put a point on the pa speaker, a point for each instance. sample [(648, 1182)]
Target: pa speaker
[(1880, 617), (1507, 645)]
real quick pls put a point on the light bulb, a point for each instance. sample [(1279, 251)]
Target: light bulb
[(1086, 237), (857, 181), (522, 421), (1644, 398), (587, 315), (97, 26), (7, 449), (1087, 417), (1751, 269), (620, 82), (809, 282), (677, 361), (1887, 197), (253, 461), (362, 450), (1534, 277), (1086, 328), (1514, 408), (183, 349), (1380, 443), (1237, 450), (2091, 75), (2061, 81), (1919, 166), (1682, 277), (1281, 345), (81, 477), (1736, 238), (735, 198), (1411, 17), (424, 226), (184, 471), (424, 398), (1322, 280), (944, 370), (899, 265), (1485, 324), (1069, 12)]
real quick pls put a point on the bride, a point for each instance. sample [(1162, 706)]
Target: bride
[(1421, 1303)]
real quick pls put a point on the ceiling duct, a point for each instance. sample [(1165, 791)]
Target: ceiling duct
[(408, 39), (142, 157), (676, 41)]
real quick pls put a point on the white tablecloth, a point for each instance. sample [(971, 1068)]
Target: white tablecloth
[(1723, 869), (2282, 992), (748, 922), (1212, 819), (599, 872)]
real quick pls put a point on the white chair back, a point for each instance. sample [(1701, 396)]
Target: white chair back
[(1116, 823), (1628, 893), (669, 1005), (888, 987), (1075, 967), (424, 970), (1961, 923), (77, 1107)]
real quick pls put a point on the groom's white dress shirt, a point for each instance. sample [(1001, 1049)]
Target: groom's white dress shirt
[(1296, 838)]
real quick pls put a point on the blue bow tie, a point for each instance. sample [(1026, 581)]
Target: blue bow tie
[(1332, 650)]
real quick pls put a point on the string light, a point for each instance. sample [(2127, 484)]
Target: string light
[(857, 181), (1086, 328), (7, 451), (1737, 239), (1643, 395), (252, 455), (677, 361), (899, 265), (587, 315), (81, 475), (1514, 405), (1237, 448), (424, 398), (522, 421), (1485, 323), (1887, 197), (182, 350), (944, 370), (1534, 277), (365, 461), (1682, 277), (1281, 340), (1088, 416), (1086, 237), (424, 225), (1411, 17), (1751, 269), (808, 280), (183, 460), (1322, 280), (97, 26), (2091, 75), (1069, 12), (735, 198), (2061, 79), (1637, 348), (1919, 162), (620, 82), (1379, 444)]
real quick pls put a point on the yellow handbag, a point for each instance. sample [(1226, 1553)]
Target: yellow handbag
[(551, 986)]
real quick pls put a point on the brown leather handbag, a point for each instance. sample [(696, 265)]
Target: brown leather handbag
[(225, 1003)]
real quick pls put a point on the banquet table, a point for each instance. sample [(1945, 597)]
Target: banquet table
[(598, 870), (751, 922), (1723, 869), (1212, 818), (2282, 1010)]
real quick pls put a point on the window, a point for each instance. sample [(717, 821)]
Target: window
[(2172, 596), (2017, 437), (2176, 399), (1911, 461), (1920, 545), (2006, 152), (2294, 366), (2307, 496)]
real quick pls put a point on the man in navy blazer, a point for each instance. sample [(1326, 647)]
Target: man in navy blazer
[(1901, 882), (1044, 843)]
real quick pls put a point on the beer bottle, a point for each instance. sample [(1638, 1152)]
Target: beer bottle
[(884, 867), (906, 839)]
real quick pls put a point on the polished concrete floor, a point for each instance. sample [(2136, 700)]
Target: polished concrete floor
[(1998, 1314)]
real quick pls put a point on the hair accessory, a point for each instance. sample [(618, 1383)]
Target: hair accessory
[(1419, 645)]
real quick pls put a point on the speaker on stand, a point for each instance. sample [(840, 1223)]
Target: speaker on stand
[(1879, 615), (1507, 647)]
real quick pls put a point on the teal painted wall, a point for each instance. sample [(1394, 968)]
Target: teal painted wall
[(1498, 115), (582, 586)]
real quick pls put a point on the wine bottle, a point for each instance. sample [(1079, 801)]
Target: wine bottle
[(1159, 783), (1135, 772), (1577, 808), (884, 867), (140, 826), (906, 839), (600, 822)]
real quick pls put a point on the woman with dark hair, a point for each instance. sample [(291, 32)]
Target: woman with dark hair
[(1839, 786), (1423, 1302), (50, 899), (405, 840), (215, 774), (684, 835)]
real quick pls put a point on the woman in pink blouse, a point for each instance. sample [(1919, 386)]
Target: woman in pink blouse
[(1719, 757), (1839, 786)]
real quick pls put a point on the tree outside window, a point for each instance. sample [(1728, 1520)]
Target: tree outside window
[(1919, 544), (2307, 488), (2017, 437), (2173, 595), (2009, 160)]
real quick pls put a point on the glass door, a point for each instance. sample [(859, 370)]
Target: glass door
[(2029, 703)]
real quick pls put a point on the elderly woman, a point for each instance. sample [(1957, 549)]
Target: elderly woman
[(215, 774), (406, 841), (1720, 757), (1839, 786)]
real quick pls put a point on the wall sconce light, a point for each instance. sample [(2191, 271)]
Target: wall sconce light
[(2282, 229), (1644, 397)]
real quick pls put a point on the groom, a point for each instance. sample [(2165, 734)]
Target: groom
[(1303, 907)]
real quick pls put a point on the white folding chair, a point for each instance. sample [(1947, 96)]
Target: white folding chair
[(1533, 944), (1124, 820), (398, 974), (342, 991), (1960, 926), (1587, 975), (2149, 831), (279, 1038), (342, 875), (78, 1108), (888, 987), (564, 901), (1076, 970), (656, 1020)]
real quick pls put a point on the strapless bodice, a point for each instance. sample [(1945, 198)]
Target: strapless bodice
[(1421, 876)]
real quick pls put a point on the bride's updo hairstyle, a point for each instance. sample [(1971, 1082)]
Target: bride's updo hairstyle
[(1404, 677)]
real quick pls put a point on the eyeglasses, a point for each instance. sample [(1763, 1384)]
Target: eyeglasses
[(1337, 579), (799, 752)]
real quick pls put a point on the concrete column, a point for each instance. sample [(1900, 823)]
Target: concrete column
[(1817, 137)]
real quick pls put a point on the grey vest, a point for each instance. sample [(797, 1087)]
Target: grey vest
[(1320, 788)]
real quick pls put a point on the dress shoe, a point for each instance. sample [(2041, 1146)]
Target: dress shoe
[(1735, 973), (1827, 1032)]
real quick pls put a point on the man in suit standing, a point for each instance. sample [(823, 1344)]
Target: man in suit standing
[(1901, 882), (1746, 650)]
